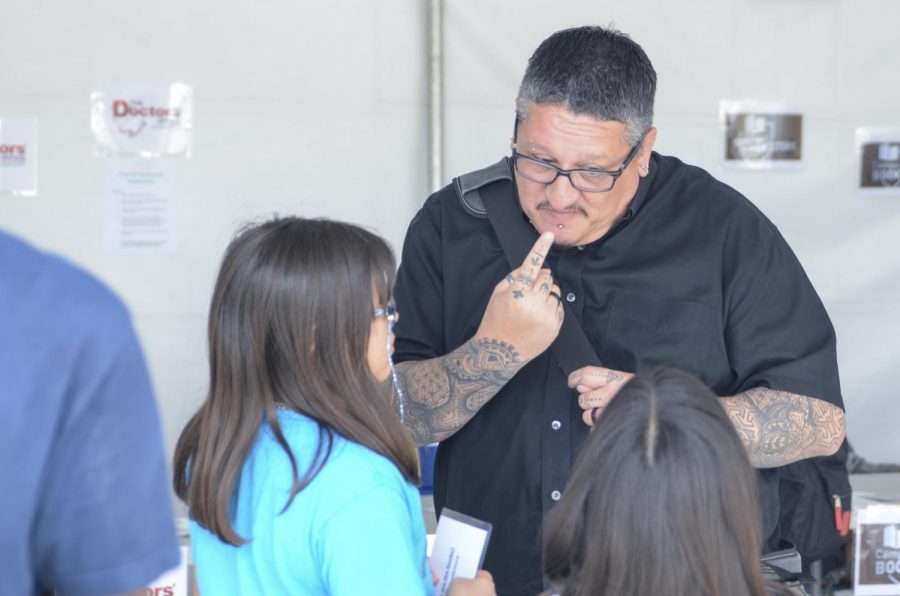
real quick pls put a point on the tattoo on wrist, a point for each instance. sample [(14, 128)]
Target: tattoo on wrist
[(444, 393)]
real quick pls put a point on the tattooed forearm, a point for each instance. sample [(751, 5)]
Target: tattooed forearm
[(778, 427), (442, 394)]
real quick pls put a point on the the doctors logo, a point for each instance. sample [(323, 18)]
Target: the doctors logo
[(160, 591), (133, 116), (763, 137), (12, 155), (880, 165)]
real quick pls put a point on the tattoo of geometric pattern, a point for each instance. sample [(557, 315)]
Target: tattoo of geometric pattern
[(779, 427), (444, 393)]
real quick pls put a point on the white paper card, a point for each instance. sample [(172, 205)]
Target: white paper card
[(142, 119), (173, 582), (18, 156), (459, 546), (140, 206)]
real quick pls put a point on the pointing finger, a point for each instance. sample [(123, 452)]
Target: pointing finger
[(535, 259)]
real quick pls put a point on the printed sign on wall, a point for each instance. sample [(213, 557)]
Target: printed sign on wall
[(879, 161), (761, 135), (140, 206), (142, 120), (173, 582), (18, 156), (877, 545)]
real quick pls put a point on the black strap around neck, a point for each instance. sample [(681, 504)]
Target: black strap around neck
[(571, 347)]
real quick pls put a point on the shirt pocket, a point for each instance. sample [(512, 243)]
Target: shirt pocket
[(645, 331)]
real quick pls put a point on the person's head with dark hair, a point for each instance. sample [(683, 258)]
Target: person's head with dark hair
[(592, 71), (584, 132), (293, 324), (662, 500)]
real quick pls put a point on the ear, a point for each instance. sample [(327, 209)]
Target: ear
[(646, 149)]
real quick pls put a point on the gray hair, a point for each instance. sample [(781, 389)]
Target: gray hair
[(595, 71)]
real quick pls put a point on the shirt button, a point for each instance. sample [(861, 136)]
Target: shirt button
[(556, 425), (555, 495), (570, 297)]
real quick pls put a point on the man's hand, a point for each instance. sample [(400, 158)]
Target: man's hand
[(482, 585), (596, 386), (525, 310), (521, 320)]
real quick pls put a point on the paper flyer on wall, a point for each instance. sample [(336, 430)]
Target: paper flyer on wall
[(761, 135), (140, 206), (18, 156), (460, 544), (142, 119), (173, 582), (876, 545), (879, 161)]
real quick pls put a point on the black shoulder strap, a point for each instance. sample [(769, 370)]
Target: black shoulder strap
[(571, 347)]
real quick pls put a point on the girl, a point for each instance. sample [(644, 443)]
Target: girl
[(297, 471)]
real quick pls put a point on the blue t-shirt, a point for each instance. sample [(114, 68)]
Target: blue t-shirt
[(84, 501), (356, 529)]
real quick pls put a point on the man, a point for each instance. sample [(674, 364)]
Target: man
[(659, 263), (85, 501)]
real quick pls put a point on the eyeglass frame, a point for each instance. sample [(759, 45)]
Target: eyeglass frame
[(614, 174), (389, 312)]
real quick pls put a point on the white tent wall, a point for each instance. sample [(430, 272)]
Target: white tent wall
[(320, 109)]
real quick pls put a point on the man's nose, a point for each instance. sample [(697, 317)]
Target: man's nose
[(561, 194)]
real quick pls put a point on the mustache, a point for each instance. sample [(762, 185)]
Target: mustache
[(545, 206)]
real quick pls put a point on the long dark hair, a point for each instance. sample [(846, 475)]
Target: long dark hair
[(662, 500), (289, 327)]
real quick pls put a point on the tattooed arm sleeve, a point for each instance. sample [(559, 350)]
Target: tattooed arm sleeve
[(778, 427), (444, 393)]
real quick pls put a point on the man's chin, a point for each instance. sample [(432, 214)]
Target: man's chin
[(563, 238)]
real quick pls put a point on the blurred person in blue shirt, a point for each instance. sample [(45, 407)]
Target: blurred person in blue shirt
[(84, 505)]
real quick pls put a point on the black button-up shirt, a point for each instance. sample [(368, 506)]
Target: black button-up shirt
[(693, 275)]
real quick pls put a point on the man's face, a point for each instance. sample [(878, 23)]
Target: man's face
[(554, 134)]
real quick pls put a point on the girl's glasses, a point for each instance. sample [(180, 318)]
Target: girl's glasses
[(389, 312)]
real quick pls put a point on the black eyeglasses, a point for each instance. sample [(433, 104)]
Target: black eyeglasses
[(583, 179), (389, 312)]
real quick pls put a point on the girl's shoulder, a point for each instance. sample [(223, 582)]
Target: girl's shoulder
[(349, 464)]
